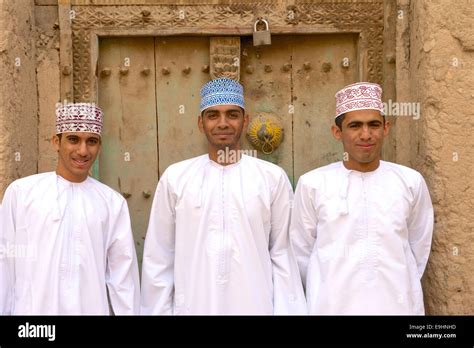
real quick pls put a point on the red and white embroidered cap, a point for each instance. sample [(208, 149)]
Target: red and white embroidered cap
[(359, 96), (79, 117)]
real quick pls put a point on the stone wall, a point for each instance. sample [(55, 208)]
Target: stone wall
[(18, 92), (441, 78), (48, 77)]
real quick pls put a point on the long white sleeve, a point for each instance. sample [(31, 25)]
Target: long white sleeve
[(159, 251), (122, 267), (7, 261), (420, 226), (288, 295), (303, 227)]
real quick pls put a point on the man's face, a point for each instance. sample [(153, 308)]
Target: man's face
[(77, 152), (223, 125), (362, 136)]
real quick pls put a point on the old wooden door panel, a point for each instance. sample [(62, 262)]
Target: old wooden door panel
[(151, 115), (295, 79), (267, 87), (318, 74), (180, 76), (129, 159)]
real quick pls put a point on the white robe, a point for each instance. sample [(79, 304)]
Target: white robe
[(218, 242), (362, 240), (68, 243)]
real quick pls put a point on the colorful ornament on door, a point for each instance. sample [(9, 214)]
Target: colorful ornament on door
[(265, 133)]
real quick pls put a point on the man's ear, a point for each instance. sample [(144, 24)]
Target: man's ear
[(100, 146), (336, 132), (246, 121), (200, 125), (386, 128), (55, 141)]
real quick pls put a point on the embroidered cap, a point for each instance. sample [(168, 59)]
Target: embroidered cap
[(79, 117), (359, 96), (222, 91)]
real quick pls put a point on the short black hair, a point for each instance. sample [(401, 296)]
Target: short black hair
[(339, 119)]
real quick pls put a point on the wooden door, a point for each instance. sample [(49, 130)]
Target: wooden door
[(149, 90), (295, 79), (129, 158)]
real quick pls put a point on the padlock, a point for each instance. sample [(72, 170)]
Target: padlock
[(261, 37)]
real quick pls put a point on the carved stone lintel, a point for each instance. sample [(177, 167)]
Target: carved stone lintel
[(225, 57)]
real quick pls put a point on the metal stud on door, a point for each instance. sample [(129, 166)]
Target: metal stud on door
[(261, 37)]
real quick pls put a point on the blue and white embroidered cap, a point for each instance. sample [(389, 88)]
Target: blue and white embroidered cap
[(222, 91)]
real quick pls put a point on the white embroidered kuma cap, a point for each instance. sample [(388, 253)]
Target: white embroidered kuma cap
[(359, 96), (79, 117)]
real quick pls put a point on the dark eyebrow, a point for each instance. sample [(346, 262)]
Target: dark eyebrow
[(355, 123), (212, 111), (359, 123)]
